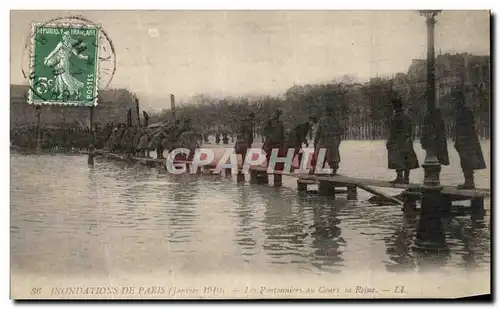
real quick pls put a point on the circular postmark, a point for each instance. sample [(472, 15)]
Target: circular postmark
[(66, 60)]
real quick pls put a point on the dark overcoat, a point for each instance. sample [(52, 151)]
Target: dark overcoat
[(297, 136), (467, 141), (440, 130), (328, 136), (400, 152), (244, 137), (274, 135)]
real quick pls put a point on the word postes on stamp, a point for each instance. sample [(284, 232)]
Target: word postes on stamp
[(64, 64)]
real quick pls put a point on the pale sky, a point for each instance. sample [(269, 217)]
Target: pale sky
[(259, 52)]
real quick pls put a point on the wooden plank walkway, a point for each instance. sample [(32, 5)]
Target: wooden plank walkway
[(337, 180), (315, 179)]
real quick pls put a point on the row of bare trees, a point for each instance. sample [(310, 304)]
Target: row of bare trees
[(364, 109)]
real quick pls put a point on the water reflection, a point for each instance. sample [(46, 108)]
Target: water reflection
[(470, 241), (302, 231), (181, 211), (69, 218), (246, 227), (279, 242), (327, 238), (399, 246)]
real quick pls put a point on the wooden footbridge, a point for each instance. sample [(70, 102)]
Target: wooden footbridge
[(331, 185)]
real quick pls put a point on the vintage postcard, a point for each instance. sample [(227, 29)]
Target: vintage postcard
[(250, 154)]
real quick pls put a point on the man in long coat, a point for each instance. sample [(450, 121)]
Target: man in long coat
[(188, 139), (111, 140), (400, 153), (128, 140), (440, 132), (274, 138), (298, 136), (244, 136), (142, 142), (119, 146), (467, 141), (328, 136), (156, 143)]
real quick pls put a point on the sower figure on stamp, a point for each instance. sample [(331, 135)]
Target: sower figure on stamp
[(244, 136), (298, 136), (59, 60), (275, 138), (466, 141), (400, 153), (328, 136)]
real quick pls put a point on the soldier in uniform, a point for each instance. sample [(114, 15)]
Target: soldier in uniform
[(217, 138), (156, 143), (128, 140), (225, 138), (328, 136), (244, 137), (111, 140), (141, 142), (467, 141), (274, 137), (188, 139), (400, 153), (298, 136)]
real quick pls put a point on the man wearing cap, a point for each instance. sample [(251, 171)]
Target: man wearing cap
[(400, 153)]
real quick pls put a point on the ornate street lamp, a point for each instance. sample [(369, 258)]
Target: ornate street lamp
[(430, 234), (431, 164)]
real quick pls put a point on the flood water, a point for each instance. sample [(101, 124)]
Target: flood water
[(68, 219)]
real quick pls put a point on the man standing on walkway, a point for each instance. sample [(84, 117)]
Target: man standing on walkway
[(400, 153), (274, 138), (467, 141), (298, 136), (244, 136), (328, 136)]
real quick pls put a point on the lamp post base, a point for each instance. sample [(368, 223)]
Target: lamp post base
[(430, 233)]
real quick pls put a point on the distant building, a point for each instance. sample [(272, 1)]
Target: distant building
[(452, 70), (113, 106)]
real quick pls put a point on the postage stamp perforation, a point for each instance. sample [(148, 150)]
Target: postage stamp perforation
[(71, 22)]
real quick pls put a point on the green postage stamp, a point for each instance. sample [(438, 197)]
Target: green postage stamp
[(64, 64)]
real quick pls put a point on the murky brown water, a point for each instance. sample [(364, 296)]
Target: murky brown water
[(69, 219)]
